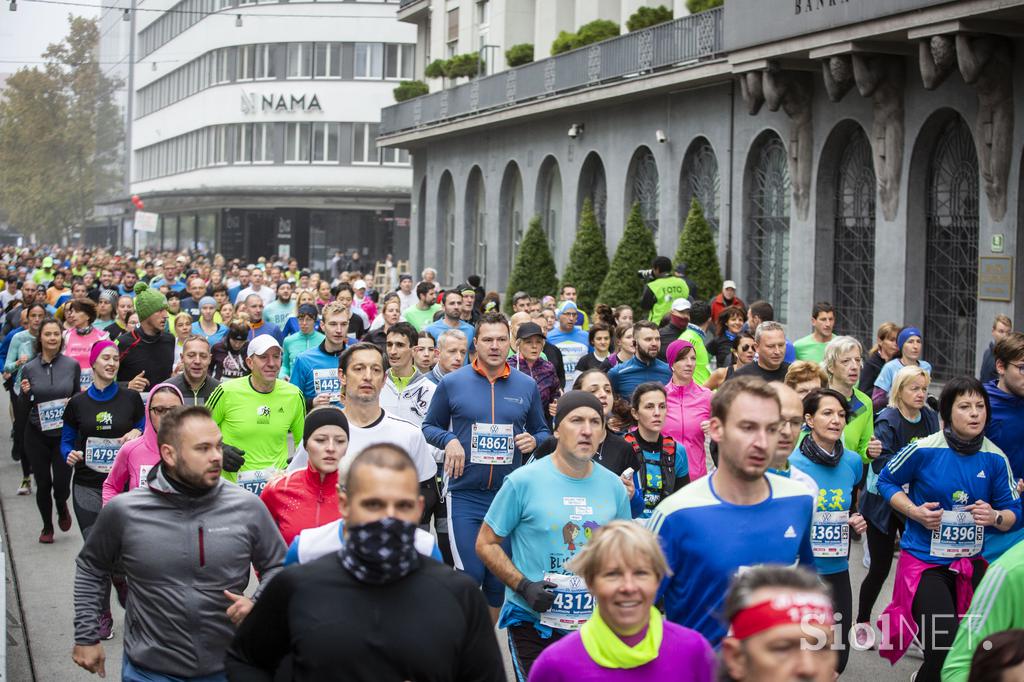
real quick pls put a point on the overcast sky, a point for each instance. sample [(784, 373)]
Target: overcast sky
[(24, 34)]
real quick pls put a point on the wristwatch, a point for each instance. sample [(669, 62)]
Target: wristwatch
[(999, 519)]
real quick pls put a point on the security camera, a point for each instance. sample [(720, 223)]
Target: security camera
[(575, 130), (661, 136)]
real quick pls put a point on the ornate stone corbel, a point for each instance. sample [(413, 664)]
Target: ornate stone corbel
[(986, 63), (752, 91), (937, 60), (792, 92), (881, 77), (838, 74)]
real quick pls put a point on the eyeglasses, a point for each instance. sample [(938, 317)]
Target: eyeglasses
[(161, 410), (797, 423), (1019, 366)]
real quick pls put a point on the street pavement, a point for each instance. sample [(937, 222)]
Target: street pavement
[(40, 607)]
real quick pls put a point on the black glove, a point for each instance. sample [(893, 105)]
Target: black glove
[(537, 594), (233, 458)]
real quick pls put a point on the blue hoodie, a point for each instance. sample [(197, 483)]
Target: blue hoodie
[(1006, 430), (466, 397)]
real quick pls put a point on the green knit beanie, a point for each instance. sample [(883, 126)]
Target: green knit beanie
[(148, 301)]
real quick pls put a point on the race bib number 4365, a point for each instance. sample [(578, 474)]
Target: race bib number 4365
[(830, 534)]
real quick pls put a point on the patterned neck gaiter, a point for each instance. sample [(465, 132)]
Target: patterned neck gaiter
[(380, 552)]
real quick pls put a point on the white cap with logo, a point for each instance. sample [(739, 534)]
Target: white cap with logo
[(261, 344)]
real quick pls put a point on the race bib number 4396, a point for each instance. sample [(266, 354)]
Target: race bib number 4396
[(957, 536)]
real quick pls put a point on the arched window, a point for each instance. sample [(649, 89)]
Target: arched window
[(951, 254), (853, 289), (767, 256), (644, 188), (476, 224), (446, 221), (511, 221), (700, 181), (593, 186), (549, 199)]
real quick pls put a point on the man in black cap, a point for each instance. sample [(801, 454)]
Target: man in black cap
[(550, 510)]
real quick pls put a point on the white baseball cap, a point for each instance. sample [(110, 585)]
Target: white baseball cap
[(681, 305), (360, 284), (261, 344), (728, 284)]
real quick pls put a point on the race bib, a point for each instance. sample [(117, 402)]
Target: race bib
[(100, 453), (326, 382), (144, 474), (85, 380), (51, 414), (572, 353), (573, 604), (491, 444), (255, 481), (830, 534), (958, 536)]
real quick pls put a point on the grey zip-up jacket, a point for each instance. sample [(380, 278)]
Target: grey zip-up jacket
[(50, 381), (180, 553), (194, 397)]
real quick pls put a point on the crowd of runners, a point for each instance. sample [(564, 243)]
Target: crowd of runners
[(412, 469)]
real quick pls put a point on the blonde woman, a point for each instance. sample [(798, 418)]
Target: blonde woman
[(626, 638)]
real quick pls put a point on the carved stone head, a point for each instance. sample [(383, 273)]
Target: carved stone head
[(943, 51), (840, 69)]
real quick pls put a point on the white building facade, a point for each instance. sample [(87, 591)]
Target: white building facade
[(254, 127)]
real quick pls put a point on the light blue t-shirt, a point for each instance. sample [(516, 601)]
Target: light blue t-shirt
[(835, 494), (440, 327), (278, 312), (889, 369), (574, 345), (549, 517)]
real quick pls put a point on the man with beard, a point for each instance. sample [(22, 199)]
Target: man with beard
[(183, 532)]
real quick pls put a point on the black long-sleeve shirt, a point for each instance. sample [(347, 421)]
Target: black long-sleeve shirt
[(141, 352), (432, 625)]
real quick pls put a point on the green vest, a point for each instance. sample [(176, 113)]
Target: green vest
[(666, 290)]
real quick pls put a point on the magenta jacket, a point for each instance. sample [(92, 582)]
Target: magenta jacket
[(687, 407), (135, 456)]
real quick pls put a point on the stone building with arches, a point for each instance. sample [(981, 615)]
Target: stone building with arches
[(866, 152)]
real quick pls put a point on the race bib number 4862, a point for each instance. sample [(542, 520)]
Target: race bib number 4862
[(491, 444)]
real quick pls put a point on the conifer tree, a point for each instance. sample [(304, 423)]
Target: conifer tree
[(622, 285), (588, 260), (697, 249), (534, 269)]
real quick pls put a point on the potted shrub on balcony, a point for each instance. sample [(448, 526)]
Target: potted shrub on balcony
[(434, 69), (408, 89), (462, 65), (520, 54), (645, 17)]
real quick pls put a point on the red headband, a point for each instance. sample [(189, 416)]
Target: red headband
[(785, 609)]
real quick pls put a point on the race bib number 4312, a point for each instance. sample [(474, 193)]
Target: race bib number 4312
[(573, 603)]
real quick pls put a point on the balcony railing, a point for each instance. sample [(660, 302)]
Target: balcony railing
[(405, 3), (687, 40)]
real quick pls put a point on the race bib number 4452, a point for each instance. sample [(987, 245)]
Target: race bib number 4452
[(491, 444)]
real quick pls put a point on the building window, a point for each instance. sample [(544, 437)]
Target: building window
[(297, 143), (395, 157), (243, 144), (264, 63), (221, 66), (300, 60), (263, 143), (246, 69), (399, 61), (219, 140), (453, 25), (364, 143), (369, 60), (325, 142), (483, 13), (767, 233), (327, 60)]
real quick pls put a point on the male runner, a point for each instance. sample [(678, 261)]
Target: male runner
[(706, 528), (812, 346), (315, 371)]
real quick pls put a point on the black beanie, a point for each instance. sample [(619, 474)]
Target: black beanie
[(325, 416), (571, 400)]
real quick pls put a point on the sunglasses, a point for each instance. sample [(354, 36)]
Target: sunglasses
[(746, 347)]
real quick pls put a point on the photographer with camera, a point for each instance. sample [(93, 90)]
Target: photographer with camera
[(664, 288)]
